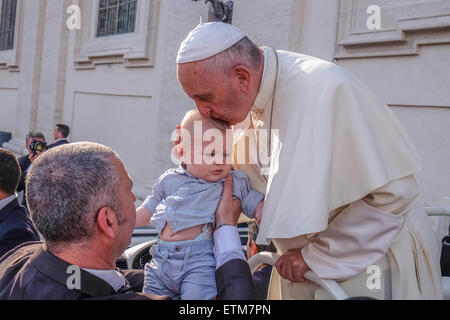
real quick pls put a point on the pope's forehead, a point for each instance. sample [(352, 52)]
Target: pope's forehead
[(191, 69)]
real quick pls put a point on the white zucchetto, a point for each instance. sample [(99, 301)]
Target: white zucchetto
[(207, 40)]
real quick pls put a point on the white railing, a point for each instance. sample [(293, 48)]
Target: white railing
[(269, 258)]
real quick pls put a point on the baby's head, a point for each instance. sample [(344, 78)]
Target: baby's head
[(206, 146)]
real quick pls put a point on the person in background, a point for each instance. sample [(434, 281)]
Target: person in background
[(26, 161), (62, 131), (15, 224)]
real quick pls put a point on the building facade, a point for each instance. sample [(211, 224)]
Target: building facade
[(107, 69)]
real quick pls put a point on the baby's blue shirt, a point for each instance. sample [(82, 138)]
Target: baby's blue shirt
[(184, 201)]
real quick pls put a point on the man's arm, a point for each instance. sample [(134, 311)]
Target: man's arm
[(233, 276)]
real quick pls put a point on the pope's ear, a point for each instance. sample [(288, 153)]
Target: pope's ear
[(241, 76), (107, 221)]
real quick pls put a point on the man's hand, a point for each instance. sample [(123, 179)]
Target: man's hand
[(292, 266), (34, 156), (229, 209)]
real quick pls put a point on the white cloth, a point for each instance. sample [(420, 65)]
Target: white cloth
[(336, 144), (339, 145), (207, 40), (361, 234)]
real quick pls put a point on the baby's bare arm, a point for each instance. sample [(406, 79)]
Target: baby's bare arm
[(143, 216), (258, 212)]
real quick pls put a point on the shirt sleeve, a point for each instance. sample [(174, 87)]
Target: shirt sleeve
[(249, 197), (227, 245), (157, 195), (361, 233)]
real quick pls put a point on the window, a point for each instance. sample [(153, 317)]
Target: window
[(96, 46), (7, 24), (116, 17)]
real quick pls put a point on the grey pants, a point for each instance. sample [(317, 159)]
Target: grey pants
[(182, 270)]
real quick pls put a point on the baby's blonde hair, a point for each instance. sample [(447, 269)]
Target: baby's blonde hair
[(193, 115), (188, 125)]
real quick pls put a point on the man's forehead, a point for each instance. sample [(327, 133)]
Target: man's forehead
[(123, 174)]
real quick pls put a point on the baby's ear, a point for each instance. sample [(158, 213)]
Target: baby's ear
[(180, 151)]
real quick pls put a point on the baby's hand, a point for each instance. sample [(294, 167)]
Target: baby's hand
[(259, 212)]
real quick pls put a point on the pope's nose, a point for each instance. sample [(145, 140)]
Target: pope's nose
[(204, 110)]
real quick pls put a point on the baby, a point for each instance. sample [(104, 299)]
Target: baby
[(182, 208)]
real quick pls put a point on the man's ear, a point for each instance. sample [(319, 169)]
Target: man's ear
[(107, 222), (241, 76)]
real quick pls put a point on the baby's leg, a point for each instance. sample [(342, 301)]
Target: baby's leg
[(153, 283), (199, 282)]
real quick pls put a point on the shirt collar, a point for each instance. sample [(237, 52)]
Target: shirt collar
[(182, 170), (268, 79), (6, 201), (113, 277)]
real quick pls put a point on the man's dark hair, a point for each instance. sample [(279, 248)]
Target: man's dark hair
[(9, 172), (253, 230), (65, 130), (35, 135)]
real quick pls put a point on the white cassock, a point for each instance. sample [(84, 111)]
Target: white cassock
[(340, 183)]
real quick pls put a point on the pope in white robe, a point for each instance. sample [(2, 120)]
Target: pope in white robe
[(339, 181)]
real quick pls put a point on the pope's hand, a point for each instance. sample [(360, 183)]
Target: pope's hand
[(229, 209), (292, 266)]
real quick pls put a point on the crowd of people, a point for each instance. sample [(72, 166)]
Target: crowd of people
[(337, 194), (15, 224)]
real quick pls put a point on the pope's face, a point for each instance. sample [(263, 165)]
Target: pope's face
[(216, 96)]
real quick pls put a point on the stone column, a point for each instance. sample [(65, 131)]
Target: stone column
[(53, 68), (29, 74)]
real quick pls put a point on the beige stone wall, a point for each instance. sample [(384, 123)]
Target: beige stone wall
[(122, 90), (406, 63)]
